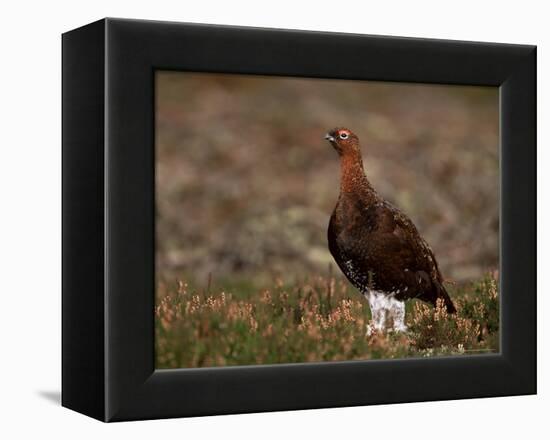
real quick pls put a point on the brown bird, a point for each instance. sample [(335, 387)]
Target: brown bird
[(377, 247)]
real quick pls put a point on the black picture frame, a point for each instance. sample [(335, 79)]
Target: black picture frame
[(109, 234)]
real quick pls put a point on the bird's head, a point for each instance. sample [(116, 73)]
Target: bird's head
[(343, 140)]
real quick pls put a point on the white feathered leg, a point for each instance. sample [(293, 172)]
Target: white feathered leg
[(382, 307), (378, 308), (397, 313)]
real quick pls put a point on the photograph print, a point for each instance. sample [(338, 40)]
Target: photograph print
[(313, 220)]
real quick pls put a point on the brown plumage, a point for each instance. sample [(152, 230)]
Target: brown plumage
[(375, 245)]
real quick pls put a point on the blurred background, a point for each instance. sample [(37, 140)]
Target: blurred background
[(246, 183)]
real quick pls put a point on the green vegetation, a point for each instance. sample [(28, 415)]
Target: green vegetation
[(320, 319)]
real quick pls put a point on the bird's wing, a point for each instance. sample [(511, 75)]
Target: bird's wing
[(402, 227), (399, 259), (423, 278)]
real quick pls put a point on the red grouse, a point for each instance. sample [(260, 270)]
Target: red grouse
[(377, 247)]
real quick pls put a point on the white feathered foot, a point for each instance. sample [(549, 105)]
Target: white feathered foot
[(388, 313)]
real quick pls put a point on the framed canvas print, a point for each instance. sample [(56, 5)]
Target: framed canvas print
[(263, 219)]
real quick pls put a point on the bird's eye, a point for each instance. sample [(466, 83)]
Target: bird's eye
[(343, 135)]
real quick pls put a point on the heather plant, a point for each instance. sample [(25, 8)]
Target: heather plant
[(319, 319)]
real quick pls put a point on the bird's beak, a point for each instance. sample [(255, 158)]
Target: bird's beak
[(329, 137)]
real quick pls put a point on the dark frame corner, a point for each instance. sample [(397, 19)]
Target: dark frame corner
[(108, 219)]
